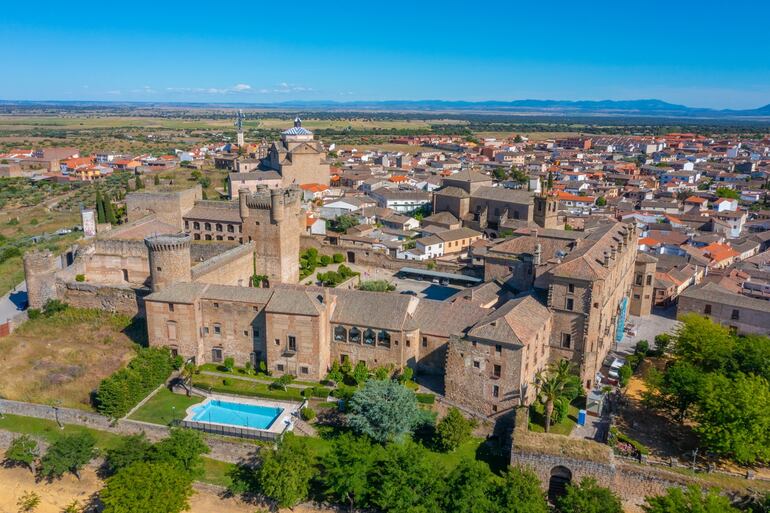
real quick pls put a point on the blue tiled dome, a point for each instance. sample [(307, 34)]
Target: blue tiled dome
[(297, 129)]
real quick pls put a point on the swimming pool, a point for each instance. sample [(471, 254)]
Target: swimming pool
[(235, 414)]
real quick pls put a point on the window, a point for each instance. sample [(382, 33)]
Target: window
[(207, 226), (158, 269), (245, 333), (219, 227), (566, 340), (498, 349), (639, 278), (217, 329), (174, 352), (197, 236), (278, 341), (497, 371), (340, 334), (208, 237), (424, 341), (355, 335), (279, 367), (171, 330), (205, 330), (383, 338), (369, 337), (256, 333), (216, 305), (495, 391), (230, 228), (735, 315), (649, 279), (304, 370), (570, 303), (292, 343), (216, 354), (476, 364), (255, 308), (707, 309), (197, 225), (171, 307), (571, 288)]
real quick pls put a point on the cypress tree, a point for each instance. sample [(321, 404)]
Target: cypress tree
[(109, 211), (100, 218)]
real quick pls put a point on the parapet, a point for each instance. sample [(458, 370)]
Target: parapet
[(168, 242)]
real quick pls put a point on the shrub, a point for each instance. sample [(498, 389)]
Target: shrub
[(177, 362), (307, 414), (33, 313), (80, 277), (282, 382), (229, 363), (325, 260), (662, 342), (642, 347), (121, 391), (426, 398), (376, 286), (406, 375), (70, 453), (338, 258)]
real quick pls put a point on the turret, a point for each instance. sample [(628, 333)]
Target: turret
[(39, 269), (169, 257), (276, 206), (243, 195)]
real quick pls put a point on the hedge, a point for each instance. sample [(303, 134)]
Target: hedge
[(289, 395), (120, 392), (320, 392)]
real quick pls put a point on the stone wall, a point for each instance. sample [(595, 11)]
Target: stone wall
[(113, 298), (168, 207), (233, 267)]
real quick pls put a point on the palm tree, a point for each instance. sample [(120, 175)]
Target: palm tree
[(558, 382)]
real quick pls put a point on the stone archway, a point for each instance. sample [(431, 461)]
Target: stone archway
[(557, 485)]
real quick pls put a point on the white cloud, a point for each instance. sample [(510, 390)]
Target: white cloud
[(241, 87)]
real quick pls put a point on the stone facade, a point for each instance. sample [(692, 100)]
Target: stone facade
[(298, 158), (643, 288), (744, 315), (167, 207)]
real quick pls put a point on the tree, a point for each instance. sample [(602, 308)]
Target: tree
[(453, 430), (345, 469), (360, 372), (156, 180), (28, 502), (557, 383), (519, 492), (692, 500), (705, 344), (469, 489), (284, 474), (23, 451), (146, 487), (72, 507), (662, 342), (109, 211), (188, 373), (138, 183), (676, 390), (100, 217), (383, 410), (69, 453), (130, 450), (229, 363), (588, 497), (185, 448), (725, 192), (751, 356), (518, 175), (403, 480), (733, 418)]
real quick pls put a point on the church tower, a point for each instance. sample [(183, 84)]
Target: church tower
[(546, 213)]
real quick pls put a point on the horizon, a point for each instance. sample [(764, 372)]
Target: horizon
[(179, 52)]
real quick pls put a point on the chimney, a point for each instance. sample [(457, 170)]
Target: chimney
[(538, 254), (606, 259), (613, 252)]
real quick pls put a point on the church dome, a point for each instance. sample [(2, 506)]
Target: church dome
[(297, 129)]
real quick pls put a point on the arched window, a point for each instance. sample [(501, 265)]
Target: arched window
[(197, 225), (197, 236), (340, 334), (208, 237), (230, 228), (208, 226), (369, 337), (219, 227), (355, 335), (383, 338), (171, 330)]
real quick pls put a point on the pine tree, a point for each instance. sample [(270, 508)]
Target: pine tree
[(100, 218)]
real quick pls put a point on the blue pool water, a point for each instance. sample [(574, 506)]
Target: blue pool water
[(236, 414)]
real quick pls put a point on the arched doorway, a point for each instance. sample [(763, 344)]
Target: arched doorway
[(557, 485)]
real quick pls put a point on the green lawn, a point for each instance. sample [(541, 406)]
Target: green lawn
[(537, 419), (216, 472), (244, 387), (240, 371), (165, 407)]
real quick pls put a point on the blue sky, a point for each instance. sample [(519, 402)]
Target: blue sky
[(706, 53)]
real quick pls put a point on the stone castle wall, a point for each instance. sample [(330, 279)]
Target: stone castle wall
[(168, 207), (233, 267)]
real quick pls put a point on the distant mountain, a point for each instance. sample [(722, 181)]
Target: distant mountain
[(642, 108)]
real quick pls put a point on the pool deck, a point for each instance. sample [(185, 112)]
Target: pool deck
[(276, 427)]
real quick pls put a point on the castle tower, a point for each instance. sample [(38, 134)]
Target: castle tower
[(546, 213), (275, 222), (643, 288), (239, 126), (39, 269), (169, 257)]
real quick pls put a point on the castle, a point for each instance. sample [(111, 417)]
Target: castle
[(187, 265)]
